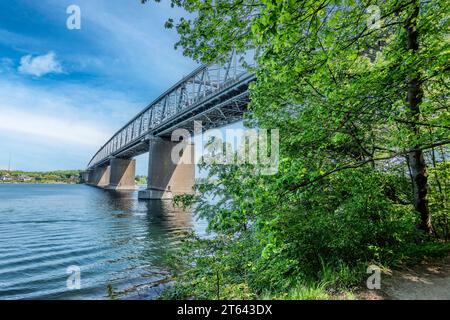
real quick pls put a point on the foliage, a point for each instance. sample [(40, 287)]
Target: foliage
[(439, 199), (325, 235), (111, 293), (359, 108), (141, 180)]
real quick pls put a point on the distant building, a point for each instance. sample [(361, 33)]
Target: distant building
[(23, 178), (5, 177)]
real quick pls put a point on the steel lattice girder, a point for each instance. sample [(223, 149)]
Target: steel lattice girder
[(213, 94)]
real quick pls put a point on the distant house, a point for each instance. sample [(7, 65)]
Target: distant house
[(5, 177), (23, 178)]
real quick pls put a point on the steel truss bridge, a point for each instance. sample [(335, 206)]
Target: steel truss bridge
[(214, 94)]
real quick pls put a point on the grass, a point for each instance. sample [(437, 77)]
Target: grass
[(333, 281), (330, 284)]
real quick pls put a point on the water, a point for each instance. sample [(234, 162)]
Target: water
[(112, 237)]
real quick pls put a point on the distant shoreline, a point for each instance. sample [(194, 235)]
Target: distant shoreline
[(50, 177), (51, 182)]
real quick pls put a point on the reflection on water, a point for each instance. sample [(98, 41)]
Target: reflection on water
[(114, 239)]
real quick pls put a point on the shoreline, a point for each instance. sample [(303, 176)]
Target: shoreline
[(37, 183)]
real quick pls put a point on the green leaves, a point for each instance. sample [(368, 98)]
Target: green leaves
[(337, 90)]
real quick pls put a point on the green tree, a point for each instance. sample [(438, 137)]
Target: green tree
[(338, 81), (359, 92)]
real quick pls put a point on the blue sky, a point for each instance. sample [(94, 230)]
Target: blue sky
[(64, 92)]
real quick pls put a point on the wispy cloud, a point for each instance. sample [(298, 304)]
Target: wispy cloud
[(131, 40), (56, 128), (64, 113), (17, 41), (6, 65), (40, 65)]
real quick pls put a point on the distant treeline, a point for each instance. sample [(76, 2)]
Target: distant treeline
[(60, 176), (141, 179)]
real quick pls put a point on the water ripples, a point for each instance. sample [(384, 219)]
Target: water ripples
[(114, 239)]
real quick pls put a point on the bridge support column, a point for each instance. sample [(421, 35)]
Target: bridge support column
[(99, 176), (88, 176), (122, 175), (166, 178), (84, 176)]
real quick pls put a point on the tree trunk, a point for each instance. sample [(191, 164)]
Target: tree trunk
[(416, 159)]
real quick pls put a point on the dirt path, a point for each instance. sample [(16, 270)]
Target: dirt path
[(429, 280)]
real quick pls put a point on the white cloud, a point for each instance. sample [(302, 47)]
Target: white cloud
[(40, 65)]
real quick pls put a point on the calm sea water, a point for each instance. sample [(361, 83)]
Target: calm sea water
[(112, 237)]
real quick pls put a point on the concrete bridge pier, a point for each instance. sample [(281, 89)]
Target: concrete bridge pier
[(99, 176), (88, 176), (122, 174), (84, 175), (166, 178)]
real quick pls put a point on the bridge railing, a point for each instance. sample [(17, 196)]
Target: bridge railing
[(203, 82)]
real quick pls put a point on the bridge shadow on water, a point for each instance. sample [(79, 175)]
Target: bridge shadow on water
[(161, 226), (161, 212)]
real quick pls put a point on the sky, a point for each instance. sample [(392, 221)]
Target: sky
[(64, 92)]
